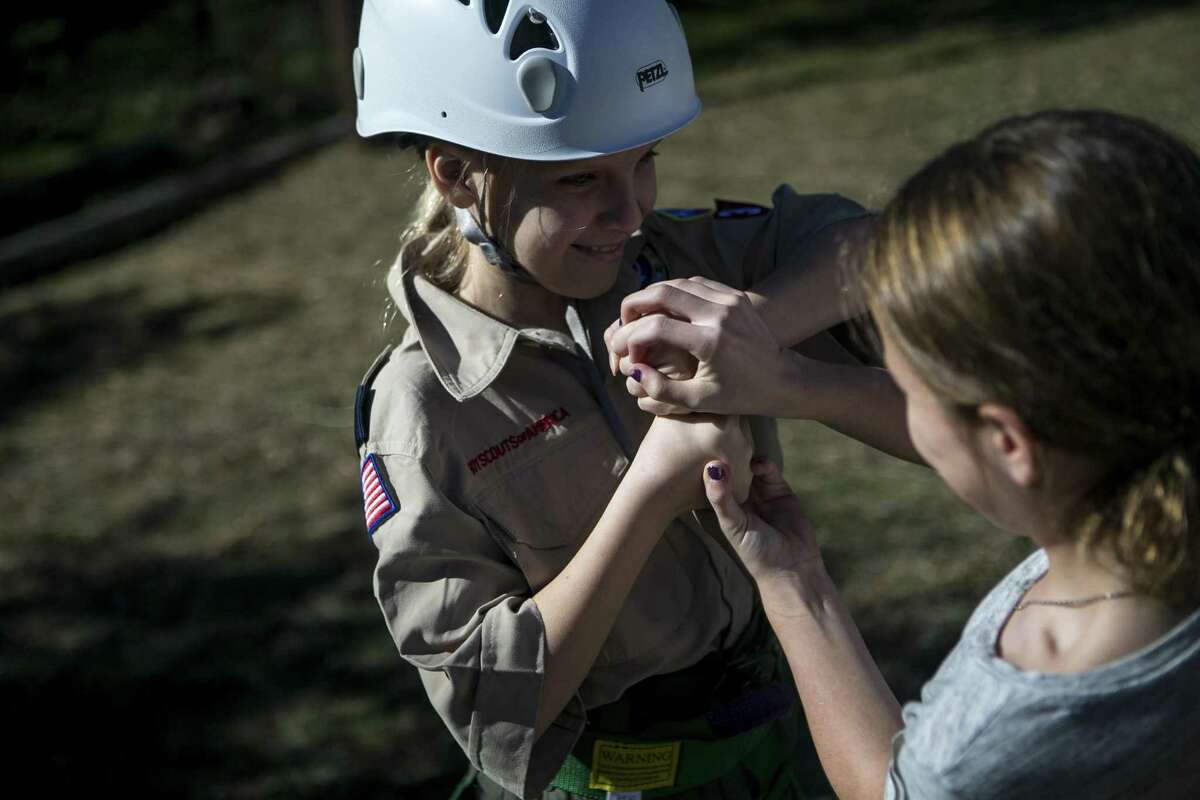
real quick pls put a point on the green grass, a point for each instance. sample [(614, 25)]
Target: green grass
[(185, 587)]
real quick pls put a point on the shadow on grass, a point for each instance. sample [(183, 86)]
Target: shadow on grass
[(199, 677), (213, 677), (182, 677), (55, 343)]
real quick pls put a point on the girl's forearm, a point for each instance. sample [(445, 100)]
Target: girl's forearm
[(851, 712), (860, 402), (579, 606)]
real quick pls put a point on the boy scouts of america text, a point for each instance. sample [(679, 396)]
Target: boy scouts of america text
[(510, 443)]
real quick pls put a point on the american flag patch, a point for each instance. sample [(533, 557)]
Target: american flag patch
[(378, 502)]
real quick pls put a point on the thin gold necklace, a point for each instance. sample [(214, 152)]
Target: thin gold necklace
[(1078, 602)]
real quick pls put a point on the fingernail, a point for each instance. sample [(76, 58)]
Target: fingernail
[(637, 375), (716, 473)]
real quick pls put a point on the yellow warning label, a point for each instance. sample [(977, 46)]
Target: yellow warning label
[(620, 767)]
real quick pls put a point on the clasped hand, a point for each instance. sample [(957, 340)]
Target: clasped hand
[(695, 345)]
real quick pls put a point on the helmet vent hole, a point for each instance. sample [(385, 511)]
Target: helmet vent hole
[(533, 32), (493, 13), (465, 2)]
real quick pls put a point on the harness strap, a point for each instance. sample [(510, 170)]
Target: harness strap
[(732, 716), (656, 769), (754, 729)]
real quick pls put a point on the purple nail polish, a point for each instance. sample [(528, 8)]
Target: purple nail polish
[(637, 375), (716, 473)]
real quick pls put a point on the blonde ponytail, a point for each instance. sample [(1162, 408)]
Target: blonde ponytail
[(443, 255), (1148, 520)]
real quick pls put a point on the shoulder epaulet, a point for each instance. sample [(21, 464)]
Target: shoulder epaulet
[(729, 209), (363, 397), (684, 214)]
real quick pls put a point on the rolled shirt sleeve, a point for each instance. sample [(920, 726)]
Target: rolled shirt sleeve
[(462, 614)]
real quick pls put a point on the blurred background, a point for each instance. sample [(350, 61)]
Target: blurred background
[(192, 251)]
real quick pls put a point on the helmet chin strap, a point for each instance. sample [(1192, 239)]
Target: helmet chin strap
[(493, 251)]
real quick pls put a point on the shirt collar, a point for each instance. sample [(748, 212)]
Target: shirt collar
[(466, 347)]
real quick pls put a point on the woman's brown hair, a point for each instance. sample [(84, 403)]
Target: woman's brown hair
[(1052, 264)]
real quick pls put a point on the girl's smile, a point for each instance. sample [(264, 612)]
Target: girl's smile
[(606, 253)]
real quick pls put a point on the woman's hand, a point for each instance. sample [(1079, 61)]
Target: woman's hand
[(850, 711), (695, 345), (770, 531), (676, 449)]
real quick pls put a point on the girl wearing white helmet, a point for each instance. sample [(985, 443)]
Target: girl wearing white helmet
[(580, 631)]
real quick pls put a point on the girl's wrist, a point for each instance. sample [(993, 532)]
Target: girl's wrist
[(654, 489)]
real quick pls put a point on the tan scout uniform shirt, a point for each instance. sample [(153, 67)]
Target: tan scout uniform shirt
[(489, 455)]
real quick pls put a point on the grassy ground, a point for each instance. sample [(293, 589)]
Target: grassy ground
[(185, 602), (81, 80)]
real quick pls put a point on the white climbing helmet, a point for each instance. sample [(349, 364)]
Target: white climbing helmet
[(543, 80)]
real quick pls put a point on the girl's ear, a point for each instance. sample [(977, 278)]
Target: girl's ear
[(448, 170), (1009, 444)]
